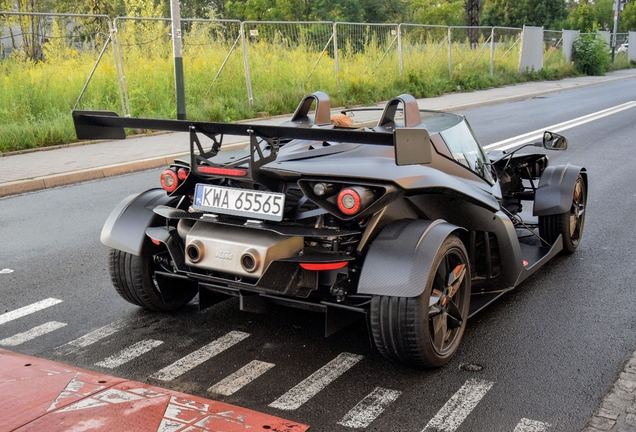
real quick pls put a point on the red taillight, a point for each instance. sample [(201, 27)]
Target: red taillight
[(169, 180), (233, 172), (323, 266), (157, 242), (349, 201), (182, 173)]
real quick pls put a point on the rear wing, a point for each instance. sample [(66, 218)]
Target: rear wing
[(412, 142)]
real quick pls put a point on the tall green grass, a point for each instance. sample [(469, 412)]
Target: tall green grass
[(36, 98)]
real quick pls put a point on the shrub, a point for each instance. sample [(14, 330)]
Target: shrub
[(591, 54)]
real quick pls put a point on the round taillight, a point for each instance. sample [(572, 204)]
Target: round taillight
[(169, 180), (182, 173), (349, 201)]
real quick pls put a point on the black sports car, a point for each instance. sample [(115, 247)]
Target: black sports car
[(404, 221)]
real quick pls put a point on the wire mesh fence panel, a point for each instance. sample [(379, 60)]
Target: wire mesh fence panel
[(287, 60), (367, 53), (621, 46), (470, 49), (506, 49), (553, 54), (48, 58), (210, 47), (213, 68), (424, 49)]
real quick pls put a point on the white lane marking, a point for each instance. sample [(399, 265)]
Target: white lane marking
[(128, 354), (97, 335), (32, 334), (6, 271), (317, 381), (199, 356), (527, 425), (369, 408), (26, 310), (234, 382), (559, 127), (459, 406)]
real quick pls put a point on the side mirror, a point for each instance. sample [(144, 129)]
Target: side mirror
[(554, 141), (412, 146)]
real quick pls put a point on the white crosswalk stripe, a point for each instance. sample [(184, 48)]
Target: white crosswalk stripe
[(240, 378), (527, 425), (99, 334), (35, 332), (199, 356), (27, 310), (459, 406), (369, 408), (128, 354), (320, 379)]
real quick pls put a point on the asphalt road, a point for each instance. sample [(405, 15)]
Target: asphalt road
[(548, 352)]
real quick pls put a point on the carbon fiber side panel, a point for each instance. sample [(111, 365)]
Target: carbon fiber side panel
[(556, 188), (125, 228), (399, 260)]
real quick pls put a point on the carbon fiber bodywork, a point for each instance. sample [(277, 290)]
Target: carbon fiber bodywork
[(407, 193)]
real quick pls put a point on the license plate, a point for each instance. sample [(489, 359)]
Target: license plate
[(239, 202)]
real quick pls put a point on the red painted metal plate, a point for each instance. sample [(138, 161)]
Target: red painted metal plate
[(37, 395)]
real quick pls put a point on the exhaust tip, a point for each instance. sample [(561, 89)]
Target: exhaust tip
[(195, 252), (250, 261)]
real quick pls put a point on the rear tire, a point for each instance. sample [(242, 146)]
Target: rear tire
[(134, 280), (426, 330), (568, 224)]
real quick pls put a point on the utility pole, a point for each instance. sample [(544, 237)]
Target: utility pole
[(617, 10), (177, 48)]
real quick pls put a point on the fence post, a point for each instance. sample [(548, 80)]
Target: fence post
[(246, 66), (450, 54), (177, 49), (492, 51), (400, 59), (335, 55), (119, 70)]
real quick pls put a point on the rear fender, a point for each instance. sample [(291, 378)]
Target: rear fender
[(400, 258), (556, 188), (125, 228)]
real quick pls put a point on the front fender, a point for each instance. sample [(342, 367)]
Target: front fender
[(125, 228), (400, 258), (556, 188)]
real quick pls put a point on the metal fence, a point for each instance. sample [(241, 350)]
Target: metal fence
[(320, 54)]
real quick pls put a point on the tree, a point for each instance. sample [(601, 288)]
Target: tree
[(516, 13), (439, 12)]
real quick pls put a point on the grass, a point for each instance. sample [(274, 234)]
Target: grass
[(36, 98)]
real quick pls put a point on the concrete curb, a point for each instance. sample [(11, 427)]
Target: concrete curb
[(47, 182)]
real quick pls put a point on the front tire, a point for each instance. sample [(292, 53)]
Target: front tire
[(426, 330), (134, 280), (569, 224)]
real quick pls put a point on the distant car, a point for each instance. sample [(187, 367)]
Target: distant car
[(623, 48), (405, 222)]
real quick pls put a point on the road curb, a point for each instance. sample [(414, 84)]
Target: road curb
[(63, 179)]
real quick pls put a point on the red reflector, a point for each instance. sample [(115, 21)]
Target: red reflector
[(525, 263), (182, 173), (157, 242), (323, 266), (169, 180), (223, 171)]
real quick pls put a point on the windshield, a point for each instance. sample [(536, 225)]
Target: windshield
[(466, 150)]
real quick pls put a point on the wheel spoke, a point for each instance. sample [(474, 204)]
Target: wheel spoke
[(455, 279), (442, 270), (454, 316), (435, 297), (439, 331)]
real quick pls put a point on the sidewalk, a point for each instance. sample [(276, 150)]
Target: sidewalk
[(41, 395), (47, 168)]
